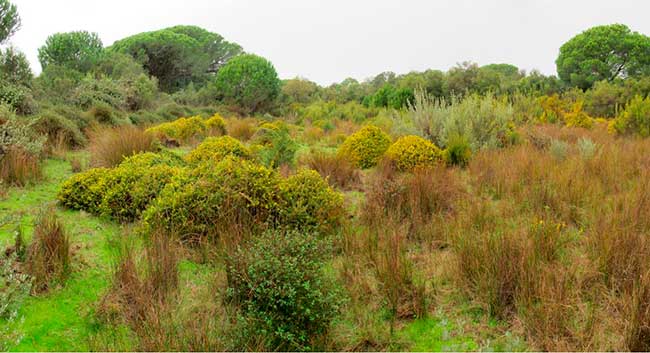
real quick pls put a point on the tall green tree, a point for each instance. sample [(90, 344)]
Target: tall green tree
[(14, 67), (78, 50), (603, 53), (249, 83), (180, 55), (9, 20)]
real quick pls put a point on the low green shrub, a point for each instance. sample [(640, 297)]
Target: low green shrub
[(410, 152), (58, 128), (366, 146), (279, 287)]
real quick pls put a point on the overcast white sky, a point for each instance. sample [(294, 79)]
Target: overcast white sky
[(329, 40)]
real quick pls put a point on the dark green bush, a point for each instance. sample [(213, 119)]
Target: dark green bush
[(282, 293), (280, 150), (58, 128)]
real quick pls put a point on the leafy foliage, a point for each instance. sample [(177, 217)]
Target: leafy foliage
[(310, 204), (84, 191), (9, 20), (280, 288), (129, 188), (179, 55), (217, 148)]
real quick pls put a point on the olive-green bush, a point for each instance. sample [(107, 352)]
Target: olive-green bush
[(216, 197), (131, 186), (310, 204)]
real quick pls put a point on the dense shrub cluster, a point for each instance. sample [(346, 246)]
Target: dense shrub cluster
[(215, 198), (122, 192), (129, 188), (366, 146), (410, 152), (84, 191), (184, 129)]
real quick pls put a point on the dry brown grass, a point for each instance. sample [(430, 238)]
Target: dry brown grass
[(110, 145), (241, 129), (48, 256), (424, 199), (338, 171), (18, 167)]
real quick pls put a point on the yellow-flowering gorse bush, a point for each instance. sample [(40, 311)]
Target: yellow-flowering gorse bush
[(217, 148), (366, 146), (84, 191), (410, 152)]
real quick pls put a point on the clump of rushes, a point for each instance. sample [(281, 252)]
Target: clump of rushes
[(48, 256)]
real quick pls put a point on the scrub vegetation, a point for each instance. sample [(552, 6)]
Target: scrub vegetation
[(170, 193)]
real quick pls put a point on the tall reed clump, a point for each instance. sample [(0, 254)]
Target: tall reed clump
[(110, 146), (395, 272), (21, 148), (19, 167), (422, 199), (336, 169), (48, 257), (143, 293)]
